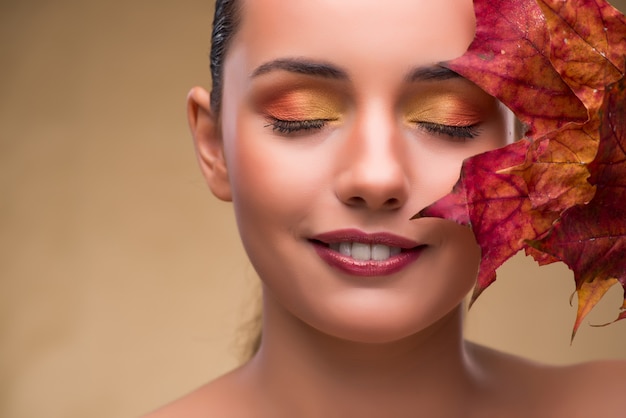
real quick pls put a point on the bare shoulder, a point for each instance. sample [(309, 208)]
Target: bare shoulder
[(596, 386), (226, 396), (580, 390)]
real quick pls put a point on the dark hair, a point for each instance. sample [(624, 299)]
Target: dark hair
[(225, 25)]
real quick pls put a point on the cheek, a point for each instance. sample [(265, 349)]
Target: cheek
[(273, 183), (434, 169), (453, 265), (438, 165), (464, 255)]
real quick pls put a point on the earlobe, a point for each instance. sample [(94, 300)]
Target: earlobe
[(208, 142)]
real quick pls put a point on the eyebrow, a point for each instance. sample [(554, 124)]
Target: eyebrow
[(302, 66), (431, 73), (326, 70)]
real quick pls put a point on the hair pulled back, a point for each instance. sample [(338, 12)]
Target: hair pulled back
[(225, 25)]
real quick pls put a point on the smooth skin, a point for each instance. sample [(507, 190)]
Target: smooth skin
[(337, 344)]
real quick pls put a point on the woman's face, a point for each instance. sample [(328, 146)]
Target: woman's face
[(337, 128)]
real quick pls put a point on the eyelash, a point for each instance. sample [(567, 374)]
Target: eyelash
[(464, 132), (460, 133), (292, 126)]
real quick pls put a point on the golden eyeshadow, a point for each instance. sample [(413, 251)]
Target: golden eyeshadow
[(303, 104), (446, 109)]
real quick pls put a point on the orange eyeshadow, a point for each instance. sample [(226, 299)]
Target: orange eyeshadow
[(303, 104), (444, 109)]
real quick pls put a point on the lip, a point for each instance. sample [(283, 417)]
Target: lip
[(411, 251)]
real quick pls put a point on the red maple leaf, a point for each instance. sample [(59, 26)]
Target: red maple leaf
[(496, 206), (591, 238), (549, 61), (555, 168), (510, 59), (587, 50), (587, 45)]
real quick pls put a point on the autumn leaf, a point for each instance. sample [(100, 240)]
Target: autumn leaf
[(555, 169), (550, 62), (591, 238), (497, 207), (588, 56), (510, 59), (587, 45)]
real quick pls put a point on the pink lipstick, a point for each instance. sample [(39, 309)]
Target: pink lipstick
[(358, 253)]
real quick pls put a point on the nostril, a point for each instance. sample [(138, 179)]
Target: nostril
[(356, 201), (392, 203)]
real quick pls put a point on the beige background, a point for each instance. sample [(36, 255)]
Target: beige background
[(122, 281)]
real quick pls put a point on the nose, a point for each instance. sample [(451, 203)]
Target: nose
[(374, 166)]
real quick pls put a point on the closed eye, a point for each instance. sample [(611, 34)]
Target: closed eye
[(296, 126), (460, 133), (285, 127)]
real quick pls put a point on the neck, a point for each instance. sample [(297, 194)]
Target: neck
[(303, 369)]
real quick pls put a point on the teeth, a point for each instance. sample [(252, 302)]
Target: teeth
[(345, 248), (361, 251), (365, 252), (380, 252)]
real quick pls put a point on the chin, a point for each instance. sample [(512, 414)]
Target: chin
[(383, 325)]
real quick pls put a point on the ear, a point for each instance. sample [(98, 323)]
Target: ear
[(208, 142)]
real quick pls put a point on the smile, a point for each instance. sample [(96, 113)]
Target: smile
[(357, 253), (364, 252)]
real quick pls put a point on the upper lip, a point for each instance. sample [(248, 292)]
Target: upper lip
[(355, 235)]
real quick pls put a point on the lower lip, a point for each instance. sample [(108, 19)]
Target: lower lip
[(367, 268)]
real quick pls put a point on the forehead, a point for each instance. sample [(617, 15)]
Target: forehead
[(356, 32)]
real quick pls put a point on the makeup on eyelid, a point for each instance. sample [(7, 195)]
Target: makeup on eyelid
[(453, 108), (445, 114), (304, 104), (447, 109)]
